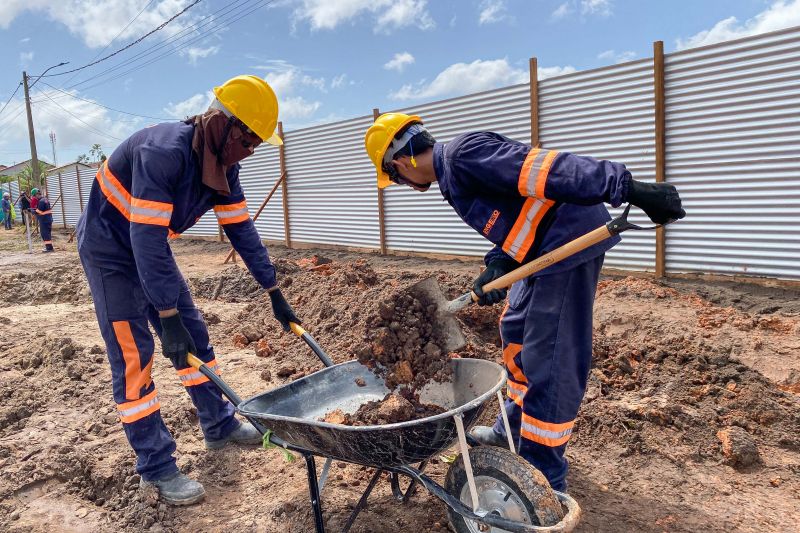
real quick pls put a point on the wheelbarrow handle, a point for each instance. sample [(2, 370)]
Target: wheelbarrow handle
[(229, 393), (298, 330)]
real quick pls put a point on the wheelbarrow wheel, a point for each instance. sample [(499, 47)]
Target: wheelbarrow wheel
[(507, 485)]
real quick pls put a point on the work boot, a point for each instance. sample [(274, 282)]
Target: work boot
[(487, 436), (177, 489), (244, 434)]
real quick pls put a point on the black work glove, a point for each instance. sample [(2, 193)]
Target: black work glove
[(176, 341), (283, 311), (660, 201), (495, 269)]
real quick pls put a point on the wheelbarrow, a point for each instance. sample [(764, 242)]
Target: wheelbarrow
[(486, 488)]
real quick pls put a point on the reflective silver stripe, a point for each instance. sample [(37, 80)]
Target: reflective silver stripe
[(130, 411), (149, 212), (534, 171), (513, 250), (192, 376), (547, 434), (231, 214), (114, 191)]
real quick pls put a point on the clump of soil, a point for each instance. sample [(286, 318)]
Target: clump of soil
[(393, 408)]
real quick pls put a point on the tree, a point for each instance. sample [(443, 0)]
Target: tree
[(26, 175), (83, 158), (97, 153)]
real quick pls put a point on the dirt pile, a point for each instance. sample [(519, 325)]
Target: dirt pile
[(395, 407), (666, 380), (57, 284)]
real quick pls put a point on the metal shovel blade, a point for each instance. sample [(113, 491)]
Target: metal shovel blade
[(429, 292)]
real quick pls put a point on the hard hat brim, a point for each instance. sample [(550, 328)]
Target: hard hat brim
[(383, 180), (275, 140)]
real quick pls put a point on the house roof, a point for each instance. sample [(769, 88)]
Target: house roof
[(51, 171), (15, 169)]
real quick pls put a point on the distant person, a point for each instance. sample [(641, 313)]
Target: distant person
[(45, 215), (527, 201), (34, 198), (7, 210), (24, 201)]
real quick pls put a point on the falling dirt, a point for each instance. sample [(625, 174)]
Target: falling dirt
[(394, 407), (690, 421)]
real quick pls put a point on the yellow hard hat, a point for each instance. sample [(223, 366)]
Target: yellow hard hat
[(379, 136), (252, 100)]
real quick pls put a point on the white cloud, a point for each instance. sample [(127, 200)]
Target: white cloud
[(195, 52), (596, 7), (194, 105), (779, 15), (340, 81), (399, 61), (389, 14), (463, 78), (97, 21), (25, 57), (617, 57), (601, 8), (492, 11), (24, 40), (287, 80), (552, 72), (294, 107)]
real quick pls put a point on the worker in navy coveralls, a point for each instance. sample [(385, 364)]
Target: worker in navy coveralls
[(155, 185), (527, 201)]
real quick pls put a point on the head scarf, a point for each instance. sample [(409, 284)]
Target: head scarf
[(219, 142)]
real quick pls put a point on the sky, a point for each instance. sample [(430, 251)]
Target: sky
[(327, 60)]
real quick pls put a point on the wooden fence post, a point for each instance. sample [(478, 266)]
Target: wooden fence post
[(61, 195), (381, 217), (660, 124), (533, 67), (78, 181), (284, 188)]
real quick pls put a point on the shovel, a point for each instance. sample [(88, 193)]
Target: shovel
[(429, 292)]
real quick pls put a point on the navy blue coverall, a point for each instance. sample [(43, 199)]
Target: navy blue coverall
[(149, 190), (529, 201), (45, 215)]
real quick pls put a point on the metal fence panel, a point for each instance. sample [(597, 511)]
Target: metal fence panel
[(56, 201), (258, 175), (607, 113), (426, 222), (70, 203), (733, 150), (331, 185)]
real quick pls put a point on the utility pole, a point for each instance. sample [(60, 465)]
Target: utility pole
[(53, 144), (34, 157)]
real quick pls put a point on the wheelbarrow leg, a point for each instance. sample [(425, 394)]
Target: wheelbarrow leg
[(313, 489), (363, 501), (397, 492)]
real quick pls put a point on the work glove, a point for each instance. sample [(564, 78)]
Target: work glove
[(283, 311), (495, 269), (176, 341), (660, 201)]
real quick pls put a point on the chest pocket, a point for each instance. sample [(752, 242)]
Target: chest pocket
[(488, 219)]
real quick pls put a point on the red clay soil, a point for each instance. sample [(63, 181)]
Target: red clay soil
[(689, 422)]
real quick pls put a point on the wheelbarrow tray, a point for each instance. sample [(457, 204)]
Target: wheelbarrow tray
[(294, 412)]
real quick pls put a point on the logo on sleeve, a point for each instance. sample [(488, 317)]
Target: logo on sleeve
[(492, 219)]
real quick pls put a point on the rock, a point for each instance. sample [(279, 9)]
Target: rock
[(82, 512), (360, 382), (776, 482), (403, 373), (252, 333), (286, 371), (738, 446), (266, 375), (239, 340), (263, 349), (14, 515), (335, 417), (96, 349), (67, 351), (394, 408)]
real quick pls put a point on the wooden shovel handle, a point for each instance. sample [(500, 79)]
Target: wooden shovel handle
[(562, 252)]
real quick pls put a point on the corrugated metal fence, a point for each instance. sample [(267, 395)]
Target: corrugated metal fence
[(732, 146)]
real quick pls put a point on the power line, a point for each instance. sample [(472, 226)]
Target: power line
[(67, 111), (233, 15), (104, 106), (231, 9), (117, 35), (140, 39), (10, 98)]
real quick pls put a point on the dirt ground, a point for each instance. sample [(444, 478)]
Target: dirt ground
[(691, 421)]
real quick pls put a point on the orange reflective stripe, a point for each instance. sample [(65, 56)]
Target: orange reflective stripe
[(546, 433), (135, 376), (138, 409), (516, 391), (525, 171), (134, 209), (509, 353), (522, 234), (232, 213), (541, 179), (190, 377), (172, 235)]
